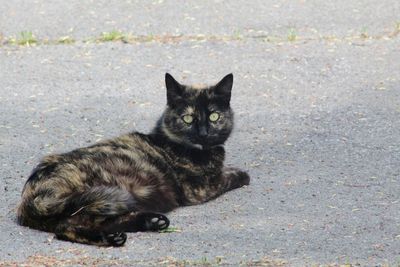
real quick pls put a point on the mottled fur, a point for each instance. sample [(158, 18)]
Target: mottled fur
[(95, 194)]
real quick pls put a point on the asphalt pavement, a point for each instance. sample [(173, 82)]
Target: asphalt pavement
[(317, 102)]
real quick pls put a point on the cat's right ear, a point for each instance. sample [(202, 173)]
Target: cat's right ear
[(174, 89)]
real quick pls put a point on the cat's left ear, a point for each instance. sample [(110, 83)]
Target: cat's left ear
[(174, 89), (224, 87)]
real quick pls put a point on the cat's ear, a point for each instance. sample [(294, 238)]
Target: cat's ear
[(174, 89), (224, 87)]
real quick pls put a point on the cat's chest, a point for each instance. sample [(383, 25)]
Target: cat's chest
[(198, 161)]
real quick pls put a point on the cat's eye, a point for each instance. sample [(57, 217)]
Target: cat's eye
[(214, 116), (187, 119)]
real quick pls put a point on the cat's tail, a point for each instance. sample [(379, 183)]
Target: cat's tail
[(101, 200), (75, 216), (98, 200)]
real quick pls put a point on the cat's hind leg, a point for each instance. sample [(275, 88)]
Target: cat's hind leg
[(91, 237), (108, 231), (150, 221), (89, 230), (138, 222)]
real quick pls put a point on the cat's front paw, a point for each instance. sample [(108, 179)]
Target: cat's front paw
[(243, 178), (237, 177)]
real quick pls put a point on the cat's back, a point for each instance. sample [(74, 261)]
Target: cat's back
[(102, 163)]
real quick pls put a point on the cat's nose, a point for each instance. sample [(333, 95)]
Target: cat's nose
[(203, 131)]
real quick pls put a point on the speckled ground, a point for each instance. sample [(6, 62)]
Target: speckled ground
[(317, 101)]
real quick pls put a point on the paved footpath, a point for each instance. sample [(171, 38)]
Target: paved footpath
[(317, 101)]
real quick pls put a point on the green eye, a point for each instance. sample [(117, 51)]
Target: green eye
[(214, 116), (188, 119)]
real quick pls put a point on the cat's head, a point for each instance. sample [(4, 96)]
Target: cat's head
[(198, 115)]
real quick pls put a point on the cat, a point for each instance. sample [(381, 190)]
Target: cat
[(94, 195)]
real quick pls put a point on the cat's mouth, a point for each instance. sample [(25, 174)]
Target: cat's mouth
[(206, 144)]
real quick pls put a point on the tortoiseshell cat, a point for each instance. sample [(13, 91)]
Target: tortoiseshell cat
[(95, 194)]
